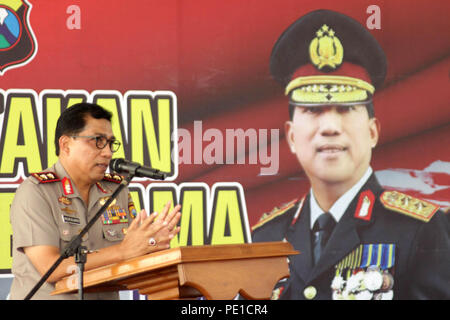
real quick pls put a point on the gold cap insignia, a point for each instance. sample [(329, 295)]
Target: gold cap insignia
[(326, 52), (410, 206), (326, 49)]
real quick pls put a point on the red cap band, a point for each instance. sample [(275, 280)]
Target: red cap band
[(346, 69)]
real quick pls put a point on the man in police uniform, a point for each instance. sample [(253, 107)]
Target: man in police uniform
[(356, 240), (53, 206)]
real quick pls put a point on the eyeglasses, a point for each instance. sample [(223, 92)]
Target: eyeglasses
[(101, 142)]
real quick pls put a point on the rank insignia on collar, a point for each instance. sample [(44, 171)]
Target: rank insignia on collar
[(67, 186), (365, 205), (299, 210), (18, 44), (46, 177), (276, 293), (408, 205)]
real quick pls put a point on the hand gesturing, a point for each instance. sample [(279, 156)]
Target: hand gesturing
[(151, 233)]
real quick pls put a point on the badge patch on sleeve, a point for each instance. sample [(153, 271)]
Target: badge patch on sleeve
[(132, 210)]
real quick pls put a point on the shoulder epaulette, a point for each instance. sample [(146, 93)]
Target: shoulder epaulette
[(46, 177), (276, 212), (113, 178), (408, 205)]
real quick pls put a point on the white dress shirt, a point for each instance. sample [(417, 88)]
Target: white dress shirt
[(338, 209)]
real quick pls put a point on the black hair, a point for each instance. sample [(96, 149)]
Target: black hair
[(73, 119), (369, 107)]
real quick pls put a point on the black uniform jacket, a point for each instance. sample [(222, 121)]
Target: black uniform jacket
[(422, 256)]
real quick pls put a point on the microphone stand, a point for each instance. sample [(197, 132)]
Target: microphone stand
[(74, 248)]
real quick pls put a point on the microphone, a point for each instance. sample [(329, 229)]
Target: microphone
[(125, 166)]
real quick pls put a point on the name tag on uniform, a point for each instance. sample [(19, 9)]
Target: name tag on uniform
[(70, 220)]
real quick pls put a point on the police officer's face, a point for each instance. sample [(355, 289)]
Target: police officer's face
[(332, 143), (89, 161)]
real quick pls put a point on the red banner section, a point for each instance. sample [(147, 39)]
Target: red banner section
[(209, 61)]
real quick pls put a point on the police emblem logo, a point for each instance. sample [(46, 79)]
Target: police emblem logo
[(18, 45), (326, 49)]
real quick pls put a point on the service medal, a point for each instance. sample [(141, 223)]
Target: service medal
[(364, 274), (114, 215)]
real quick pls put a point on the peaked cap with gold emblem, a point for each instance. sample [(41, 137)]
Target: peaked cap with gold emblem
[(326, 57)]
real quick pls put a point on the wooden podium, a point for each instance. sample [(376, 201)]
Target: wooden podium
[(216, 272)]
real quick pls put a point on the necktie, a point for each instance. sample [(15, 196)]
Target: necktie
[(324, 226)]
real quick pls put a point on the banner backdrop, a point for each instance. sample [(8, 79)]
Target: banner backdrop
[(189, 87)]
